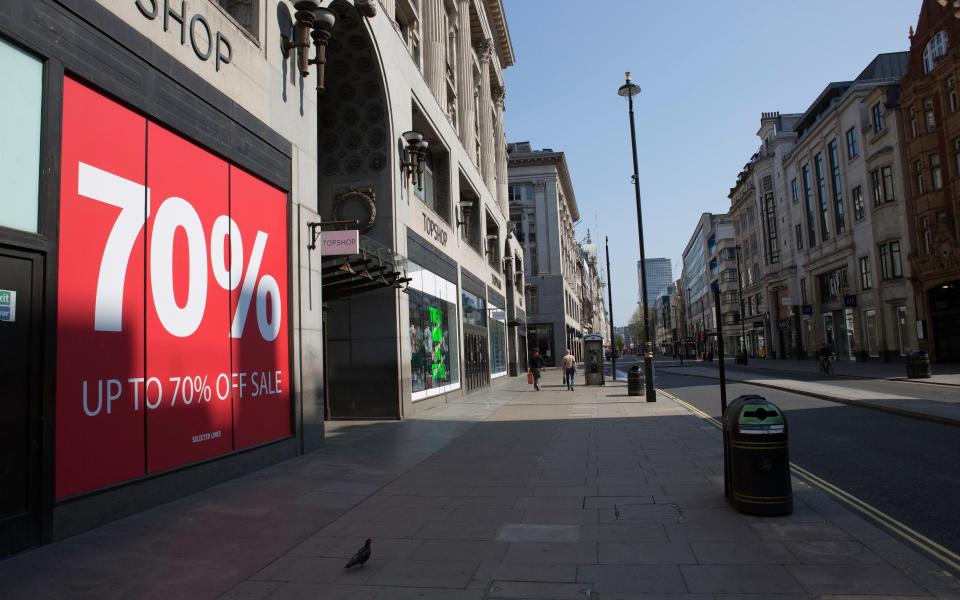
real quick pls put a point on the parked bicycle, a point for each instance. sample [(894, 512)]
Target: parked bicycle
[(826, 362)]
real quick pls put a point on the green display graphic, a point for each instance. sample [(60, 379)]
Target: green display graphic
[(438, 370)]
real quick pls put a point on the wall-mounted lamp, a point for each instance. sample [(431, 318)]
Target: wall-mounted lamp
[(491, 244), (311, 21), (414, 156), (465, 207)]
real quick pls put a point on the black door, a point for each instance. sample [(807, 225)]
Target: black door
[(20, 284), (945, 317)]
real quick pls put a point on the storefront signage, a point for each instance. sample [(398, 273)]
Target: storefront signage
[(434, 230), (786, 301), (339, 243), (8, 305), (806, 309), (850, 300), (205, 43), (172, 301)]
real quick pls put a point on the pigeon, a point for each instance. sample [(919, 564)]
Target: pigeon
[(362, 556)]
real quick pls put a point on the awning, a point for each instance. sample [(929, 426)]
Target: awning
[(375, 267)]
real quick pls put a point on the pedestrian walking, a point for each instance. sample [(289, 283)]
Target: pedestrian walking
[(569, 369), (536, 366)]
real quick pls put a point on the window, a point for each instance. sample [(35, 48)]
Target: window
[(534, 263), (936, 179), (795, 190), (956, 156), (896, 266), (244, 12), (927, 234), (918, 169), (928, 118), (877, 119), (808, 198), (914, 130), (433, 333), (952, 100), (20, 97), (900, 319), (822, 197), (803, 291), (857, 195), (409, 27), (498, 341), (773, 243), (837, 188), (865, 281), (935, 48), (870, 332), (852, 142), (533, 299), (474, 309), (883, 185), (884, 267), (799, 235)]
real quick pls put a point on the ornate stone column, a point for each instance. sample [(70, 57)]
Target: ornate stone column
[(499, 100), (487, 167), (434, 50), (465, 83)]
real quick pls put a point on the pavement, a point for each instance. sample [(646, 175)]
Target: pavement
[(507, 493), (941, 374), (898, 395)]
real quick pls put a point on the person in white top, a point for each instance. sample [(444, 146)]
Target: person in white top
[(569, 369)]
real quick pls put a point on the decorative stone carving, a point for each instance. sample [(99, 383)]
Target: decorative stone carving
[(364, 197), (484, 50), (499, 94)]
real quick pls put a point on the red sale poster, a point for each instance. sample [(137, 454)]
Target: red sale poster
[(172, 334), (100, 363), (258, 302), (187, 311)]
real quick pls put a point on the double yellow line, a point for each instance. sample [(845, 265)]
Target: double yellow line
[(917, 539)]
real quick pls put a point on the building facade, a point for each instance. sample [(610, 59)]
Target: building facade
[(846, 189), (701, 272), (175, 136), (929, 124), (543, 212)]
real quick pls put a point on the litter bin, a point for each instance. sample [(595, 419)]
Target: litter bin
[(635, 382), (758, 460), (918, 365)]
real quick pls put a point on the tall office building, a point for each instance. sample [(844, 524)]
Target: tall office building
[(659, 277)]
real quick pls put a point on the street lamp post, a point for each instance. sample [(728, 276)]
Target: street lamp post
[(742, 359), (629, 90), (613, 337)]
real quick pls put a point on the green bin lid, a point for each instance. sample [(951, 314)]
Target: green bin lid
[(759, 418)]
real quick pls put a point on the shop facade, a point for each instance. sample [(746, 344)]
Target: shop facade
[(158, 254)]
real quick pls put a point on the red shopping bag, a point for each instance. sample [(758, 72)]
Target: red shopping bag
[(529, 377)]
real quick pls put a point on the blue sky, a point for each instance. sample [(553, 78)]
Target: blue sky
[(707, 69)]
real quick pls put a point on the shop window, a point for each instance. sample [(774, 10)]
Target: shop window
[(245, 13), (870, 331), (474, 310), (434, 345), (21, 91), (498, 341)]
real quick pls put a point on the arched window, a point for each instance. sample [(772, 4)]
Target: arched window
[(936, 47)]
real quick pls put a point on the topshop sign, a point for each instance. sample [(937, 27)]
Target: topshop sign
[(206, 43)]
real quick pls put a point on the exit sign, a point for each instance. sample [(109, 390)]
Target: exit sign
[(8, 305)]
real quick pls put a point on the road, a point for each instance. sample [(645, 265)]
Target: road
[(905, 467)]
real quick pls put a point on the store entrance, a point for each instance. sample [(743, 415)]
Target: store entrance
[(476, 361), (20, 342), (945, 321)]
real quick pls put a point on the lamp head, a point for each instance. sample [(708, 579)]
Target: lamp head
[(324, 19), (412, 138), (629, 88)]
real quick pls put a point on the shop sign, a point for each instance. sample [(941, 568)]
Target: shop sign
[(8, 305), (172, 301), (786, 301), (434, 230), (806, 309), (203, 41), (850, 300), (339, 243)]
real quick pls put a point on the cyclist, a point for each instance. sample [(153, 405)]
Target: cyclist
[(825, 352)]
